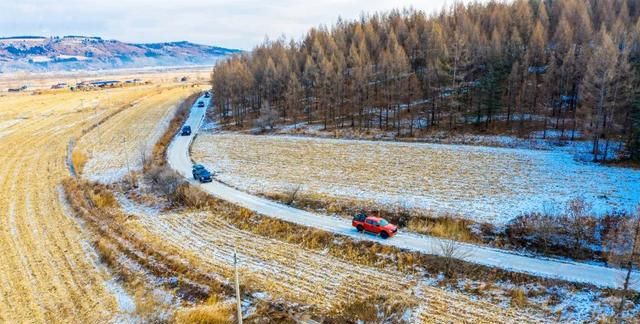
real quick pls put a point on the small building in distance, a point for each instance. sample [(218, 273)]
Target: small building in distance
[(96, 84), (60, 85), (24, 87), (102, 84)]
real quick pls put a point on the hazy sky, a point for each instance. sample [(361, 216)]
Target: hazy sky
[(232, 23)]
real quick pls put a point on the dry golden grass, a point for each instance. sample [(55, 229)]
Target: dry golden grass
[(46, 274), (79, 160), (213, 311), (518, 298)]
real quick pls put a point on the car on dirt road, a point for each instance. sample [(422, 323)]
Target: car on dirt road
[(201, 104), (375, 225), (201, 173), (207, 94), (186, 131)]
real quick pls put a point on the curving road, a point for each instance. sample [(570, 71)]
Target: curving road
[(179, 159)]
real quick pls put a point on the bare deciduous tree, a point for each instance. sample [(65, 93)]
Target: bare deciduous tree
[(451, 251)]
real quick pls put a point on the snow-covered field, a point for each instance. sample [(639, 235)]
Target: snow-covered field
[(126, 139), (481, 183), (300, 275)]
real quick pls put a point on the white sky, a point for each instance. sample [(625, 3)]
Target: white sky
[(232, 23)]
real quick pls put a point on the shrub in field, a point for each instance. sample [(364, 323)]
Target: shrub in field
[(576, 233), (164, 180), (451, 252), (188, 196), (268, 118)]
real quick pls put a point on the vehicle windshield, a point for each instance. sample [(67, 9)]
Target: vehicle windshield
[(383, 222)]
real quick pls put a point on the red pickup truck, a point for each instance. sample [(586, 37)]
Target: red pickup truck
[(375, 225)]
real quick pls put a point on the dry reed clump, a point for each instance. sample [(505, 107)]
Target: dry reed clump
[(212, 311), (103, 198), (79, 160), (376, 308), (518, 297), (445, 227)]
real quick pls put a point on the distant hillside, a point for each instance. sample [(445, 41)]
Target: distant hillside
[(34, 53)]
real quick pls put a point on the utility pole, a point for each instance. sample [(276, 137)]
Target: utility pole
[(126, 156), (235, 266)]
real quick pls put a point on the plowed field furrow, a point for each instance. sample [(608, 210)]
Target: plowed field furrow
[(333, 276), (45, 274), (306, 276)]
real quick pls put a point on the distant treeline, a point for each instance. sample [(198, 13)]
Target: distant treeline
[(567, 65)]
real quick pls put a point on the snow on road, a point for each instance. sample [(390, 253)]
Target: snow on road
[(178, 158)]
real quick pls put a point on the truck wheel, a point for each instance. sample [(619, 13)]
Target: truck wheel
[(359, 228), (384, 235)]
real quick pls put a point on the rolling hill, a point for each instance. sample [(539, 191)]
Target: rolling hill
[(35, 53)]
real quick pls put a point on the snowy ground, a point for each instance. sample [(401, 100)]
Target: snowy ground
[(179, 159), (485, 184)]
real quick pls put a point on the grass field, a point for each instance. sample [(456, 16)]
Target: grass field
[(480, 183), (48, 272)]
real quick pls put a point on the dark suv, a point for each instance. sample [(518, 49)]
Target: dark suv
[(186, 131), (201, 104), (201, 174)]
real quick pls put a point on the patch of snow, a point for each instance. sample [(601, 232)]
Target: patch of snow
[(40, 59), (210, 126)]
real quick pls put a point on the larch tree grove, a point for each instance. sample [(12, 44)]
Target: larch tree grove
[(527, 67)]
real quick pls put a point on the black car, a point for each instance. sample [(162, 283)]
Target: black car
[(207, 95), (201, 174), (186, 131), (200, 104)]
